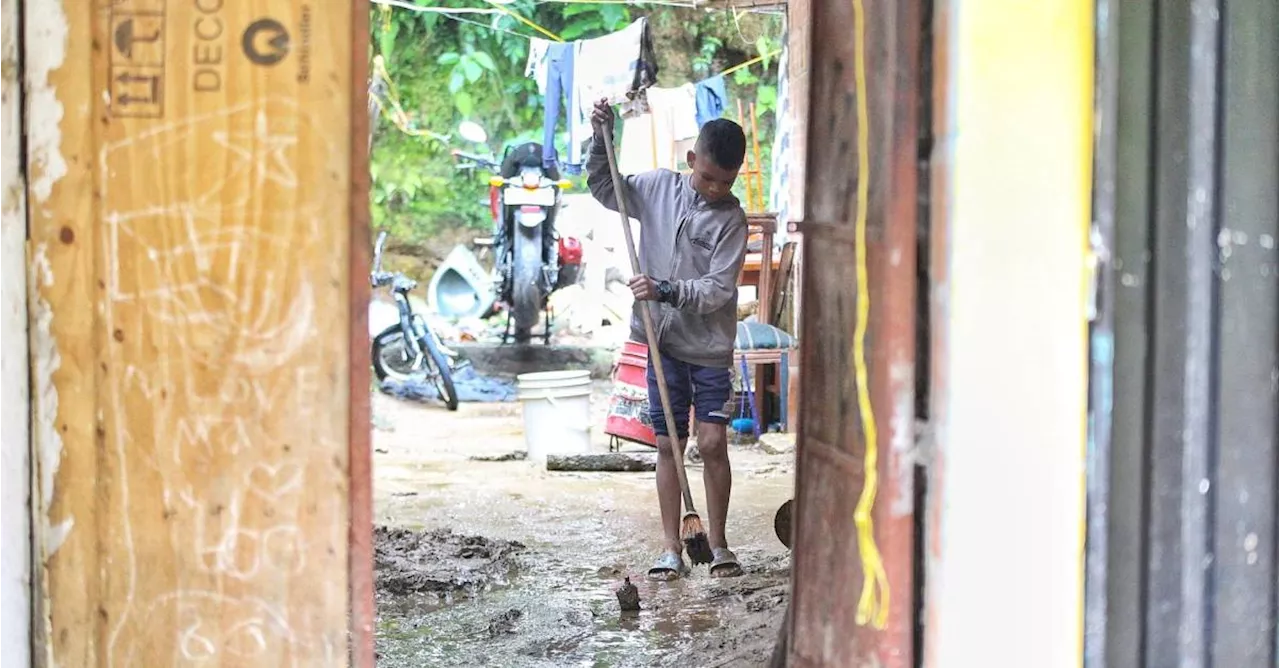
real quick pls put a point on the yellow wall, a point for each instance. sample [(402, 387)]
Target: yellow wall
[(1006, 574)]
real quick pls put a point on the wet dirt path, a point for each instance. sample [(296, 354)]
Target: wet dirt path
[(547, 599)]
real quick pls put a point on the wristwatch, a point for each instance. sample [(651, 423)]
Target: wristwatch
[(666, 292)]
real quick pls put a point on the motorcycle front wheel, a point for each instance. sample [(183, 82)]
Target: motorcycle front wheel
[(526, 275), (391, 361)]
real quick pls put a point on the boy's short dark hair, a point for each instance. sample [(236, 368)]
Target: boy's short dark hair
[(724, 141)]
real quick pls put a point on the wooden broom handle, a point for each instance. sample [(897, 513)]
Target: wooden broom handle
[(655, 357)]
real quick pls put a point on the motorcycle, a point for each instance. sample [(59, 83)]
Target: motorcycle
[(530, 259), (409, 350)]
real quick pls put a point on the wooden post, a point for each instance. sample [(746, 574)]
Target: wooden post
[(764, 306), (360, 417), (653, 138), (852, 576), (15, 444), (196, 203), (799, 47), (759, 170)]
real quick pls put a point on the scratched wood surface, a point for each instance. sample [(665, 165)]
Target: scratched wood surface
[(190, 244)]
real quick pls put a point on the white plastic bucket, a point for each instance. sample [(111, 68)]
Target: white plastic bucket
[(557, 412)]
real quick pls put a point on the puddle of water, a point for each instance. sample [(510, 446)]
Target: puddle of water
[(566, 616), (583, 532)]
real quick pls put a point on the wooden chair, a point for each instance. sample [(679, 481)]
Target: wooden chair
[(769, 275), (758, 268)]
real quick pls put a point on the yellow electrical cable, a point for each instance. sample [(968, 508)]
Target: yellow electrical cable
[(661, 3), (751, 62), (525, 21), (395, 112), (873, 604)]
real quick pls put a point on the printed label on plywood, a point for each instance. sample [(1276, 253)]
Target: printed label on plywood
[(208, 39)]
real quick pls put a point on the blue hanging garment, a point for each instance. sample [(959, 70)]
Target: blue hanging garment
[(710, 99), (559, 64)]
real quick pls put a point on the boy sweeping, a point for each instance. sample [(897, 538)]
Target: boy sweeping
[(692, 242)]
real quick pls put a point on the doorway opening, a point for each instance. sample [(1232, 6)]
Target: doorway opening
[(503, 523)]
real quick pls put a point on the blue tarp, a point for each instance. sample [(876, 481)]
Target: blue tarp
[(470, 386)]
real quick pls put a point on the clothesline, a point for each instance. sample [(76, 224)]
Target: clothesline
[(396, 113), (557, 38), (554, 37), (451, 13), (498, 8), (459, 19), (401, 4)]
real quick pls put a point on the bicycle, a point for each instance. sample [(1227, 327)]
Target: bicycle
[(409, 350)]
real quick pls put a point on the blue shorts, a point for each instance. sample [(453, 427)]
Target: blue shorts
[(707, 389)]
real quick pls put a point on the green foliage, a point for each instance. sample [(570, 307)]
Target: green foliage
[(472, 67)]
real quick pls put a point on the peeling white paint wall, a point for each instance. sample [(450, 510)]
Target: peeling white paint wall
[(44, 49), (15, 449)]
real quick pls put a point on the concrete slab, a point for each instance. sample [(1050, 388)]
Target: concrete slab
[(513, 359)]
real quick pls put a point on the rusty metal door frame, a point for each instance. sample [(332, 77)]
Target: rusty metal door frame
[(1183, 504)]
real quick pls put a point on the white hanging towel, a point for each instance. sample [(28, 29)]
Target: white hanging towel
[(660, 138), (615, 64), (536, 66), (612, 67)]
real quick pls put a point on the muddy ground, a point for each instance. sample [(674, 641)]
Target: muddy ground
[(501, 563)]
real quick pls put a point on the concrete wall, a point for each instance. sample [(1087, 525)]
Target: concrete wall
[(15, 461)]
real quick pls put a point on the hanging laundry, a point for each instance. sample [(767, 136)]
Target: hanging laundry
[(711, 98), (579, 73), (559, 65), (616, 65), (660, 137), (551, 66), (536, 66), (677, 107)]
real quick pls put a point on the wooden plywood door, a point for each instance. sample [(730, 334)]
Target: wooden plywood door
[(191, 254)]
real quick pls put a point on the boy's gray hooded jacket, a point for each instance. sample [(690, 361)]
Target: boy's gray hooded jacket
[(696, 245)]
